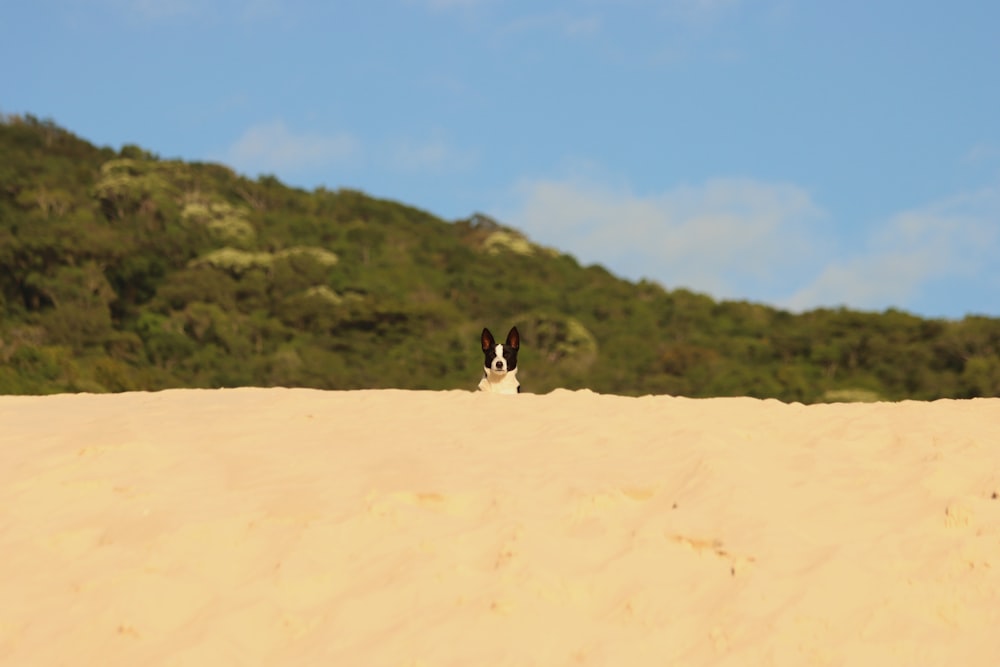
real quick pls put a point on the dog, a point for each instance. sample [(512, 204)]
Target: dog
[(500, 366)]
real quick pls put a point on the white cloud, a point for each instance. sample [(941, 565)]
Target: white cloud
[(770, 242), (262, 10), (870, 282), (700, 11), (272, 147), (435, 153), (957, 238), (454, 4), (705, 6), (583, 26), (555, 22), (729, 237), (982, 152), (151, 11), (155, 10)]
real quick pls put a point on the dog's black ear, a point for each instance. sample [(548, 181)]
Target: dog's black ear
[(487, 340), (514, 338)]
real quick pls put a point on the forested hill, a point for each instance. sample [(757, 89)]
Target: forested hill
[(124, 271)]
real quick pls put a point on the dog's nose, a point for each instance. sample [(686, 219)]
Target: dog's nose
[(498, 365)]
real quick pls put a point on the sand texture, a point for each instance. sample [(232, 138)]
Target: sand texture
[(404, 529)]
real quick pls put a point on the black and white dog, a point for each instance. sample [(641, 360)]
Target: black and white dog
[(500, 367)]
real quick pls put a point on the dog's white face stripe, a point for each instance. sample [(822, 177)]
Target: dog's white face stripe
[(499, 363)]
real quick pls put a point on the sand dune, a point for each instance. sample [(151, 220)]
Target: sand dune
[(299, 527)]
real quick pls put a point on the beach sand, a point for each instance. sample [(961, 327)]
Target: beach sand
[(397, 528)]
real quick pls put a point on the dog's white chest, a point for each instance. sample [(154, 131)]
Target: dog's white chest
[(505, 383)]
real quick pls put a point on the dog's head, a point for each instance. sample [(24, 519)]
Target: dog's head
[(500, 359)]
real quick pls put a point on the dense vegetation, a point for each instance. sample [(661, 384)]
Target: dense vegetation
[(123, 271)]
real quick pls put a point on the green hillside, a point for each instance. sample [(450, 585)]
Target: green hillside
[(123, 271)]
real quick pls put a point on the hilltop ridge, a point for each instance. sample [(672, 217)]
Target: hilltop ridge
[(125, 271)]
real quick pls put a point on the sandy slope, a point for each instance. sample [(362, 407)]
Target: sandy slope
[(302, 527)]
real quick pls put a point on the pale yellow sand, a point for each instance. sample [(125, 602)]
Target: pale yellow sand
[(297, 527)]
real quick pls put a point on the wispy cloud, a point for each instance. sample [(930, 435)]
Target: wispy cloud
[(452, 4), (954, 239), (582, 26), (700, 11), (982, 152), (727, 236), (556, 22), (156, 10), (153, 11), (262, 10), (273, 147), (770, 242), (435, 153)]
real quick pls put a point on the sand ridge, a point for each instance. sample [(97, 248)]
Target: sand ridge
[(385, 527)]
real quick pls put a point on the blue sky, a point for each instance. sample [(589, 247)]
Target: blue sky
[(796, 153)]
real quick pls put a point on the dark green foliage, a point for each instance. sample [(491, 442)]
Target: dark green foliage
[(122, 271)]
